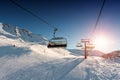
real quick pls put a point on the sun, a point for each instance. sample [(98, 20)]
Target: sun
[(101, 42)]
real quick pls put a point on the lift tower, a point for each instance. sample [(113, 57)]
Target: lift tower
[(85, 41), (86, 45)]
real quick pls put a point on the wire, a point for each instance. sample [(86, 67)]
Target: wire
[(98, 18), (33, 14)]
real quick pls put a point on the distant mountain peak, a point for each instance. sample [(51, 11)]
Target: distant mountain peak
[(15, 32)]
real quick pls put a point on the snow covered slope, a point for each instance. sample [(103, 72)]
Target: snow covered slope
[(16, 41), (39, 67), (96, 53), (115, 56), (78, 52), (15, 32), (23, 59)]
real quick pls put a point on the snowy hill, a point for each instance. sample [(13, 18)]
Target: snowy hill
[(115, 56), (26, 58), (17, 41), (15, 32), (78, 52), (96, 53)]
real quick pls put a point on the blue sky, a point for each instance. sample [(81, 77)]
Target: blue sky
[(75, 19)]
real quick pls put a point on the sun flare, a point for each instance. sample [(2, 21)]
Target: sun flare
[(101, 42)]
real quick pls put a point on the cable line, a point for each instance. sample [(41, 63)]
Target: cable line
[(87, 42), (30, 12), (98, 17), (55, 42)]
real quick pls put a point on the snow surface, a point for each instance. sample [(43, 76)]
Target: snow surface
[(114, 56), (23, 59), (78, 52)]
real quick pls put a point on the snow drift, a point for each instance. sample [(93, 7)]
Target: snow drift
[(114, 56)]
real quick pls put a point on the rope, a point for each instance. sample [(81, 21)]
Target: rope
[(30, 12), (98, 18)]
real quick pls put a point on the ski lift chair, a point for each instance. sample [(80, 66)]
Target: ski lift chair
[(90, 46), (79, 45), (57, 42)]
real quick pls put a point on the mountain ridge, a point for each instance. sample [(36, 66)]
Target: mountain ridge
[(114, 56), (19, 33)]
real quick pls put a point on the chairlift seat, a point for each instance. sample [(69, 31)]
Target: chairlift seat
[(57, 42)]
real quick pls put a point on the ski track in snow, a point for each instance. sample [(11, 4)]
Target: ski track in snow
[(45, 71), (60, 69)]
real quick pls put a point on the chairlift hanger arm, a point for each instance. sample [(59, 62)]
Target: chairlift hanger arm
[(55, 30)]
